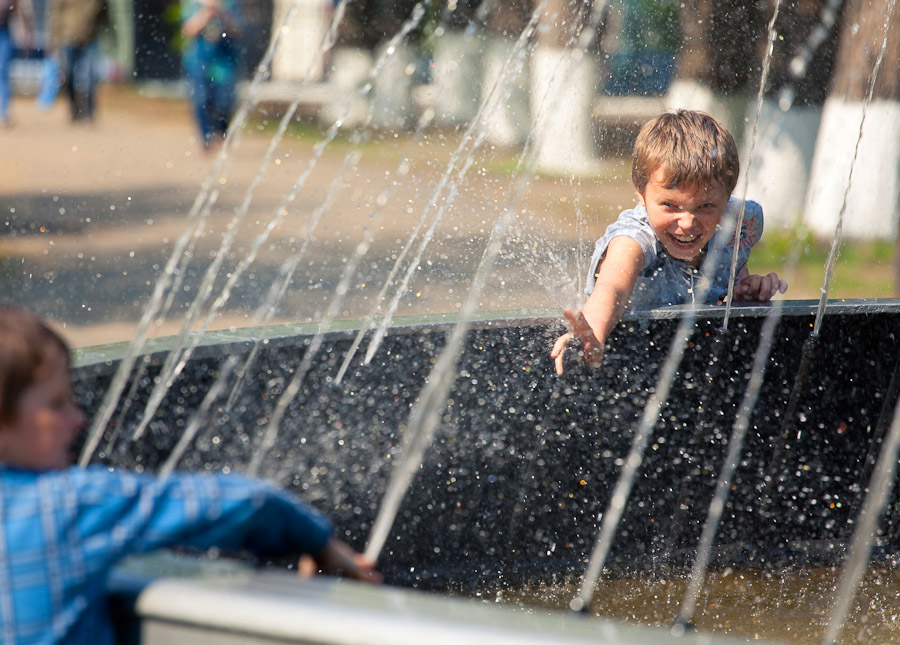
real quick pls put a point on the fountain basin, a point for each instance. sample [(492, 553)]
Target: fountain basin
[(524, 461)]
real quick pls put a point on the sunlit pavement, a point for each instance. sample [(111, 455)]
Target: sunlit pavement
[(93, 211)]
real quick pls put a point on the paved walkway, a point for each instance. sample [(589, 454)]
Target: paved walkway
[(82, 203), (91, 212)]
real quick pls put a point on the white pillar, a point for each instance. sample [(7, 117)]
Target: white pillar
[(781, 161), (392, 100), (563, 89), (299, 55), (348, 72), (456, 77), (873, 201), (507, 117)]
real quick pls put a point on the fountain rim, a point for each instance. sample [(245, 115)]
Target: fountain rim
[(178, 595), (210, 342)]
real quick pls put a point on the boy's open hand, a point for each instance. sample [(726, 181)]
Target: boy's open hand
[(579, 328), (759, 288), (338, 557)]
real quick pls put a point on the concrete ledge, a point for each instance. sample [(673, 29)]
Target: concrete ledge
[(838, 307), (84, 356), (247, 606)]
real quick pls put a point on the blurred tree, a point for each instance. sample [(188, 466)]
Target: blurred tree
[(155, 39), (720, 44), (717, 66), (458, 14), (871, 203), (258, 15), (865, 28), (508, 18), (799, 77), (368, 22), (561, 23), (803, 59)]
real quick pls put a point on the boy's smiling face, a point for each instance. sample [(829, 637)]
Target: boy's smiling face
[(684, 218), (46, 421)]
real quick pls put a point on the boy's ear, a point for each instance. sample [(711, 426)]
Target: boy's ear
[(640, 196)]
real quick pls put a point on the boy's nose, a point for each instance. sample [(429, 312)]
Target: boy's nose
[(686, 220)]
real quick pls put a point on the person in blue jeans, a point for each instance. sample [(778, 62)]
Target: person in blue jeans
[(211, 60), (6, 52), (73, 28), (63, 528), (7, 9)]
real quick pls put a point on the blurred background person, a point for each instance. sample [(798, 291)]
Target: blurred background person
[(73, 30), (50, 77), (211, 60), (10, 9)]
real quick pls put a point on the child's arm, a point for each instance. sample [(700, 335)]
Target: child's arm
[(195, 23), (338, 557), (616, 277), (759, 288)]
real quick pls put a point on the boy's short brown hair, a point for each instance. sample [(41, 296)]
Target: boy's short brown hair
[(692, 147), (26, 345)]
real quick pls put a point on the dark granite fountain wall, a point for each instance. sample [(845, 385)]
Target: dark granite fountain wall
[(524, 461)]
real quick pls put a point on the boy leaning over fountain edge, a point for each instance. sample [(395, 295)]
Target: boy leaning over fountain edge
[(685, 166), (63, 529)]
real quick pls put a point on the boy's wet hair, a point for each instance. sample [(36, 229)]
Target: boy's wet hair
[(27, 348), (692, 148)]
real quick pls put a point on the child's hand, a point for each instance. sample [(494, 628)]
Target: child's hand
[(759, 288), (337, 557), (580, 329)]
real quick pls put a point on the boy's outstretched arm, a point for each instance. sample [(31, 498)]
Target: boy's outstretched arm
[(757, 288), (605, 306)]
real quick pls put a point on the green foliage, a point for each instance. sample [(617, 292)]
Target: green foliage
[(171, 17), (430, 23), (652, 24), (862, 269)]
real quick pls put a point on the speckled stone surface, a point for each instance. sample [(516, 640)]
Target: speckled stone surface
[(523, 462)]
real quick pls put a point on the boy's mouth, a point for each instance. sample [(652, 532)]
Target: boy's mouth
[(684, 239)]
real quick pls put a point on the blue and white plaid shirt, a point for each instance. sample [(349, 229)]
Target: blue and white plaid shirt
[(61, 532)]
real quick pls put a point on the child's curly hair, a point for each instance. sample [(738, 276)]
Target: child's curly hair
[(26, 345), (691, 147)]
